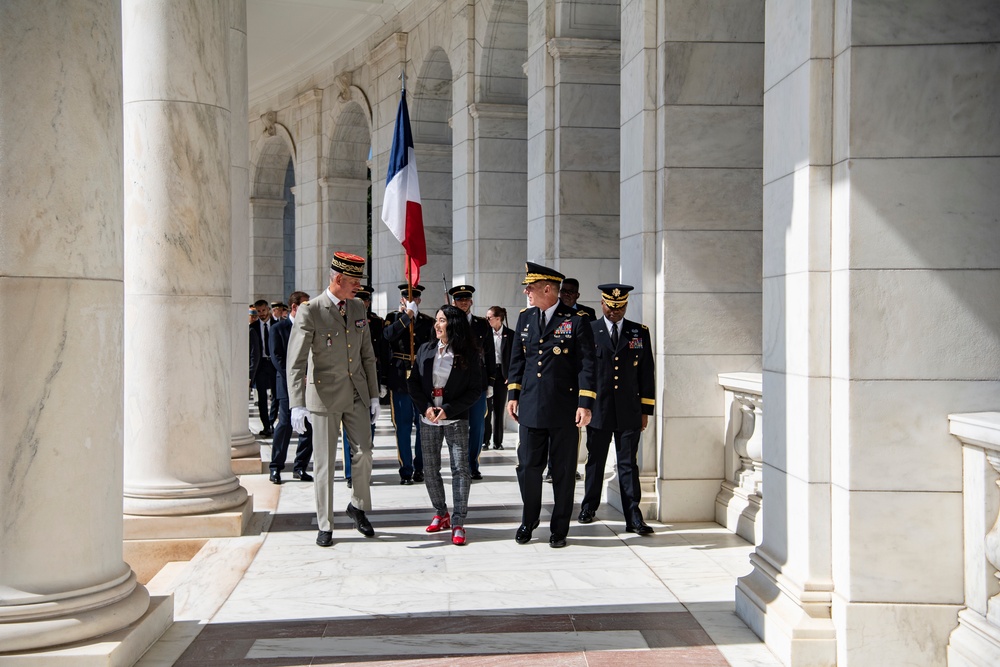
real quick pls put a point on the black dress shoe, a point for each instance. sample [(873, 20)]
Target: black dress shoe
[(418, 476), (477, 475), (302, 476), (498, 446), (349, 484), (267, 433), (275, 477), (586, 516), (406, 481), (325, 538), (361, 523), (524, 533), (548, 477), (639, 529), (557, 541), (578, 476)]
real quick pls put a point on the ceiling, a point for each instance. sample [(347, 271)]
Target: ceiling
[(289, 39)]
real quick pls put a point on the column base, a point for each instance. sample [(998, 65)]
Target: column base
[(247, 457), (242, 445), (887, 633), (795, 625), (121, 648), (975, 642), (230, 523), (647, 504), (686, 499), (739, 512), (148, 557)]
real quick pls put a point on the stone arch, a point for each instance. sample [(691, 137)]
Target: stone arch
[(272, 154), (504, 50), (345, 189), (430, 115)]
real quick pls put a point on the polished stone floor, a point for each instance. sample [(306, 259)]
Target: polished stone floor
[(405, 597)]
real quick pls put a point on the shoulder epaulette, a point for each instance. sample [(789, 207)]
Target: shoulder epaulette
[(644, 326), (523, 309)]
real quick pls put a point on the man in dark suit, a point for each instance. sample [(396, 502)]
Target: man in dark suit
[(278, 340), (503, 338), (462, 295), (262, 373), (550, 394), (626, 388), (569, 292), (404, 417), (376, 326)]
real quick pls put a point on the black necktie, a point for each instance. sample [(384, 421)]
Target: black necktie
[(541, 320), (614, 335)]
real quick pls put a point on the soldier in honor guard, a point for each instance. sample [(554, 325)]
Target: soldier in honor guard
[(376, 325), (404, 416), (481, 329), (625, 400), (550, 394), (569, 294), (332, 380)]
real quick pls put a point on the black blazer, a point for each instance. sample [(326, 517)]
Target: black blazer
[(484, 332), (278, 348), (463, 389), (626, 384), (580, 308), (552, 371), (507, 338), (260, 365)]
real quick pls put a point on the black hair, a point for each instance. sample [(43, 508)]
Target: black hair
[(460, 337)]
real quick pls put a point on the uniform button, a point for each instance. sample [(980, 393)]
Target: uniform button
[(539, 352), (616, 358), (539, 375), (616, 368), (616, 386), (616, 377), (539, 363)]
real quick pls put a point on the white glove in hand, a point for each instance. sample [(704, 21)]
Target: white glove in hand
[(376, 410), (382, 391), (489, 392), (299, 419), (412, 305)]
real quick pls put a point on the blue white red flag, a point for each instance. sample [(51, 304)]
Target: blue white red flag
[(401, 210)]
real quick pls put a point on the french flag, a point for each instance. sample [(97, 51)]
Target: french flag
[(401, 211)]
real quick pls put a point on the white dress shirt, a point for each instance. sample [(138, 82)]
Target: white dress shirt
[(443, 362)]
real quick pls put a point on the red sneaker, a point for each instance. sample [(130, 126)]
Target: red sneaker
[(458, 535), (439, 523)]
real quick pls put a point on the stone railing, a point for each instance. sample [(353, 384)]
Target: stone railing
[(976, 641), (738, 505)]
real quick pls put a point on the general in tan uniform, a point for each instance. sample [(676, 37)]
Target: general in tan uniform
[(332, 378)]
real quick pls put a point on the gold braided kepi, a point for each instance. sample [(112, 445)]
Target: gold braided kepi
[(615, 294), (535, 272), (348, 264)]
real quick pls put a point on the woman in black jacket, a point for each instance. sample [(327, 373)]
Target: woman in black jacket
[(444, 383)]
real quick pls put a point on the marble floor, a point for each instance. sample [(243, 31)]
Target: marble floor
[(406, 597)]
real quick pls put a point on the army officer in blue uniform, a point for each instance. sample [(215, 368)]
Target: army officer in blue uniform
[(625, 400), (550, 394)]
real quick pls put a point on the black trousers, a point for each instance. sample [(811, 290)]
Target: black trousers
[(537, 446), (497, 407), (283, 435), (626, 449), (265, 383)]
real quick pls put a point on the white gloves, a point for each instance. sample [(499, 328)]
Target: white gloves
[(412, 305), (299, 416), (382, 391), (489, 392), (376, 410)]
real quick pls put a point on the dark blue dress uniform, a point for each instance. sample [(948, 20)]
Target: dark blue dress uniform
[(551, 375), (404, 416), (625, 392)]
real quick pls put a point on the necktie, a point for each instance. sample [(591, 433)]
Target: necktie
[(614, 335), (343, 310), (541, 319)]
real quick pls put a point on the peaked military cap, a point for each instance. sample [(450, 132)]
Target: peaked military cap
[(535, 272), (348, 264), (417, 289), (462, 291), (615, 294), (365, 292)]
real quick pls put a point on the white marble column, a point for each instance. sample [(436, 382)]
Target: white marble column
[(241, 441), (62, 577), (177, 260)]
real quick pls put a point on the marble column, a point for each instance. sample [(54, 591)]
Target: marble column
[(242, 445), (62, 577), (178, 267), (573, 140)]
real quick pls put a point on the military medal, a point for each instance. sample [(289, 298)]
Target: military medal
[(556, 350), (329, 341)]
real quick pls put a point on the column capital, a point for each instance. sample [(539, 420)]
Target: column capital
[(508, 111), (312, 95), (396, 42), (578, 47)]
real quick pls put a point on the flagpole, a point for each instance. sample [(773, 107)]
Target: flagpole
[(444, 282), (409, 293)]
